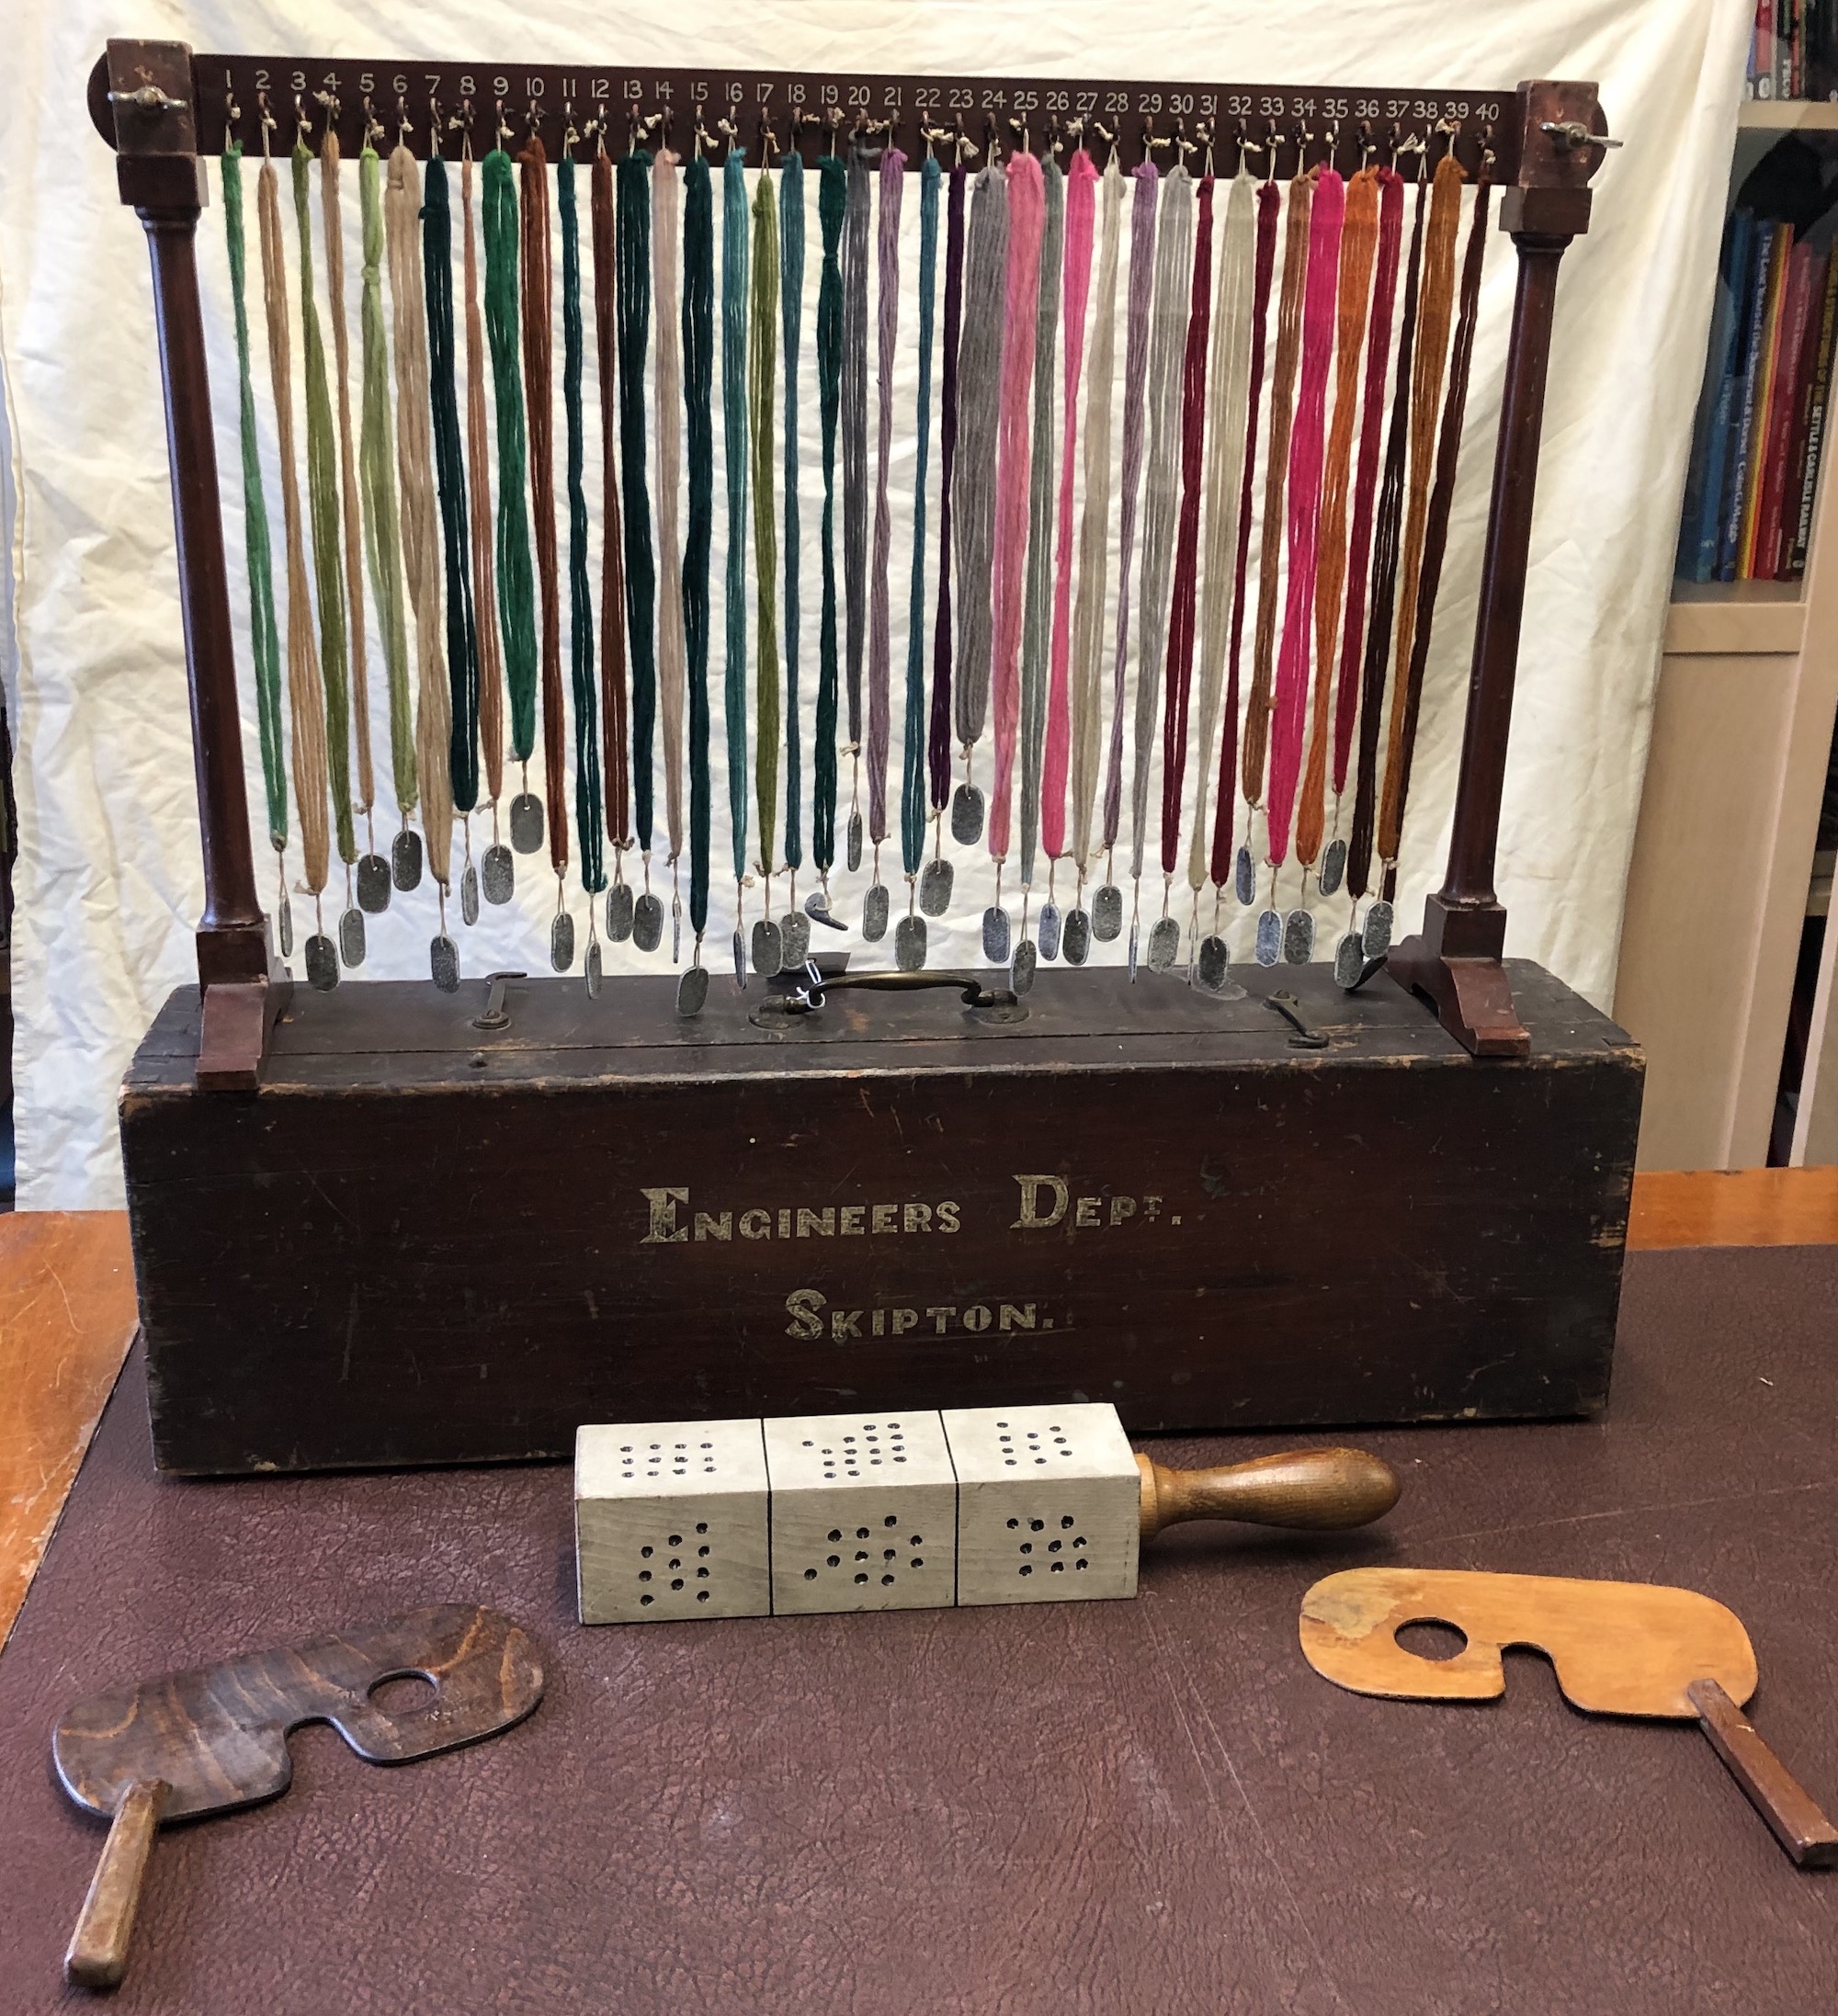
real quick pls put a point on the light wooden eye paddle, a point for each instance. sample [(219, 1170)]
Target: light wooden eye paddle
[(1618, 1648)]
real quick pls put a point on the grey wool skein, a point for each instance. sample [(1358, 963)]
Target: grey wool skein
[(973, 478)]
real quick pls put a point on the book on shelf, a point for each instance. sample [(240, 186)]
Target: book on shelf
[(1793, 50), (1760, 425)]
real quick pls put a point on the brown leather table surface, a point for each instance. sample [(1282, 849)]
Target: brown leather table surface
[(1146, 1807)]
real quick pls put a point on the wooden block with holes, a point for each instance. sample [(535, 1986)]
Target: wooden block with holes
[(1048, 1503), (864, 1512), (671, 1522)]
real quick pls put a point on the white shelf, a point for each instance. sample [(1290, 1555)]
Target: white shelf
[(1779, 115)]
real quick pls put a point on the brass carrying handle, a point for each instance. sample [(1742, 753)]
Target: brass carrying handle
[(1316, 1489), (976, 995)]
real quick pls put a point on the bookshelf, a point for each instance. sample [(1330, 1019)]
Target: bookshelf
[(1724, 874)]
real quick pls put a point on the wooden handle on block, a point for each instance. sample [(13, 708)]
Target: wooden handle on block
[(1322, 1489), (98, 1953)]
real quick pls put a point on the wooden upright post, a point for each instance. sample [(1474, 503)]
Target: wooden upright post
[(1455, 962), (150, 93)]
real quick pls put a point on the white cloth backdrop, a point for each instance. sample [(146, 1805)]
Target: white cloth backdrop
[(109, 880)]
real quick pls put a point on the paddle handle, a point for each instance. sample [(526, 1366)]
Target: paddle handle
[(97, 1954), (1776, 1793), (1319, 1488)]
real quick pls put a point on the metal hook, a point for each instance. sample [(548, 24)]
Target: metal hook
[(329, 99), (233, 112), (768, 140), (433, 126), (570, 137), (268, 122), (404, 125), (302, 125)]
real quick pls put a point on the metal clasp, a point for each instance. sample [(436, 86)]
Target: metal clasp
[(495, 1015)]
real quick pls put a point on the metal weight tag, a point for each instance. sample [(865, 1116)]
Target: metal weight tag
[(647, 923), (740, 960), (1076, 944), (373, 884), (874, 914), (1107, 913), (1269, 936), (995, 935), (620, 913), (768, 948), (966, 815), (469, 895), (283, 926), (1299, 937), (1135, 930), (1050, 931), (692, 990), (817, 908), (443, 960), (1164, 945), (1212, 967), (592, 967), (1021, 973), (406, 859), (322, 962), (1333, 868), (526, 822), (1377, 930), (853, 843), (498, 873), (1349, 959), (1244, 878), (935, 879), (794, 940), (562, 942), (909, 943), (351, 943)]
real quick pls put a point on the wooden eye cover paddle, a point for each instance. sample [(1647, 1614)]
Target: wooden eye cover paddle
[(1619, 1648)]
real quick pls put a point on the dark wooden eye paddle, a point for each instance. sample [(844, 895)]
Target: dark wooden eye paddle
[(213, 1740)]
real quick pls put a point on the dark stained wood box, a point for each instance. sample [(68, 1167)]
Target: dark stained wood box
[(421, 1243)]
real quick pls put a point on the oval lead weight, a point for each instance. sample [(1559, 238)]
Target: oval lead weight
[(648, 922), (406, 859), (1021, 973), (1050, 931), (692, 990), (909, 943), (351, 943), (874, 914), (768, 949), (1076, 940), (443, 960), (592, 967), (1299, 937), (619, 911), (966, 815), (1333, 868), (373, 884), (1376, 933), (562, 942), (283, 926), (794, 939), (935, 879), (1164, 945), (1269, 936), (1244, 878), (322, 962), (1349, 959), (1211, 969), (854, 842), (469, 895), (995, 935), (1107, 913), (497, 873), (526, 822)]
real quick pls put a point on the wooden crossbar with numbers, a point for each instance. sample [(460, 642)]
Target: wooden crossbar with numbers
[(807, 107)]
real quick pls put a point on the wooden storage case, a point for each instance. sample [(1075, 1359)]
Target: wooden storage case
[(422, 1242)]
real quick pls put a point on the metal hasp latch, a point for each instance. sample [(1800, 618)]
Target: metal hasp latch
[(496, 1016)]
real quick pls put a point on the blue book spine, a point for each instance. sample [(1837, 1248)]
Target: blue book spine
[(1704, 507)]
